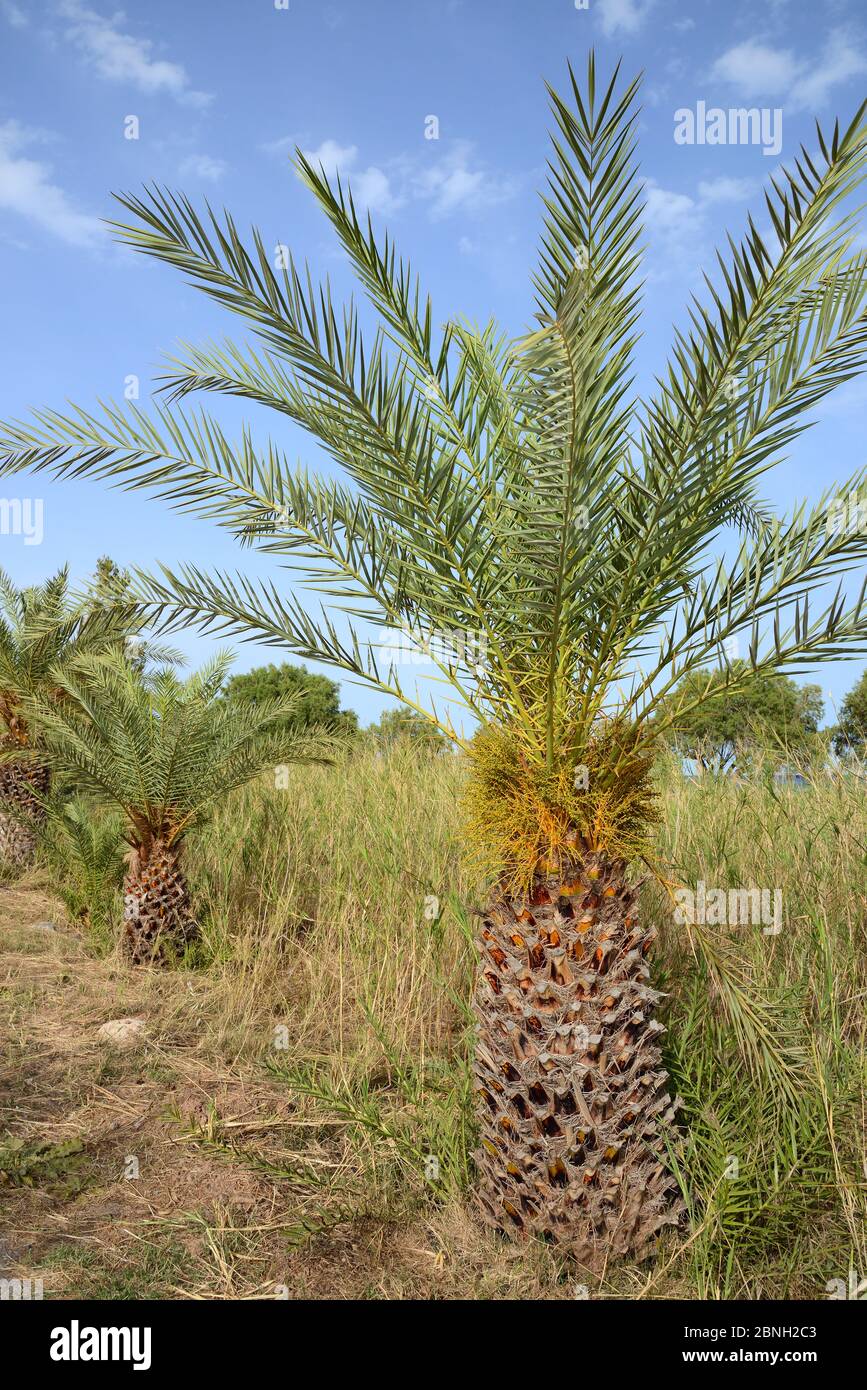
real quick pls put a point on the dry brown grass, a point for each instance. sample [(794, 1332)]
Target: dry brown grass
[(303, 1164), (204, 1219)]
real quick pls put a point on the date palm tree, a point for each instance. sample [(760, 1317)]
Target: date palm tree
[(163, 752), (555, 540), (39, 626)]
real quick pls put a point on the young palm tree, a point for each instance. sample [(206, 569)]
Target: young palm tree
[(515, 501), (39, 627), (163, 751)]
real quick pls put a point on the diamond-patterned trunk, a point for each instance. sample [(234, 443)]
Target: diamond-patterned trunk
[(573, 1100), (157, 918), (23, 785)]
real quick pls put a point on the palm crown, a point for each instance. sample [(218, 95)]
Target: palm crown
[(161, 749), (39, 627), (517, 493)]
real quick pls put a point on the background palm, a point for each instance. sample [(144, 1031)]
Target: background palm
[(39, 627), (163, 751), (518, 494)]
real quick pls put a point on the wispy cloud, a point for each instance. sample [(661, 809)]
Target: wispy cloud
[(119, 56), (203, 166), (285, 144), (333, 157), (456, 182), (26, 189), (669, 215), (447, 183), (677, 223), (757, 70), (13, 14), (726, 190), (841, 59), (623, 16), (848, 399), (371, 187)]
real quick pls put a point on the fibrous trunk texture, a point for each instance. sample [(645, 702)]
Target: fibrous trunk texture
[(573, 1099), (157, 919), (23, 786)]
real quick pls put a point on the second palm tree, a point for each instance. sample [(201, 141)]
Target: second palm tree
[(164, 751)]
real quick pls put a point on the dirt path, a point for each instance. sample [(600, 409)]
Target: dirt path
[(110, 1185), (160, 1171)]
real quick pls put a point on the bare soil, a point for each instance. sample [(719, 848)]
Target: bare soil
[(163, 1171)]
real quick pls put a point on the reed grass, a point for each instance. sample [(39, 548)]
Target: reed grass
[(336, 919)]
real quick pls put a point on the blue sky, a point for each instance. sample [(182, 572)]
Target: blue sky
[(223, 89)]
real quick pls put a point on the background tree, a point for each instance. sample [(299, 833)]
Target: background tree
[(39, 626), (316, 699), (110, 583), (163, 752), (771, 712), (111, 587), (397, 726), (850, 733), (517, 493)]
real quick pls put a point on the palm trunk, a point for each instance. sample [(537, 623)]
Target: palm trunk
[(23, 788), (573, 1099), (157, 917)]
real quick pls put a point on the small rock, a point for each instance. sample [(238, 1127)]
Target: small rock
[(123, 1032), (43, 926)]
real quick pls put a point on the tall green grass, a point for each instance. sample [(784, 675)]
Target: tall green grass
[(336, 942), (776, 1182)]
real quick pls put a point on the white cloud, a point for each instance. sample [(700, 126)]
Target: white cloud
[(674, 232), (281, 146), (670, 214), (726, 190), (756, 70), (26, 189), (371, 187), (447, 183), (623, 16), (677, 224), (453, 183), (203, 166), (841, 59), (14, 241), (14, 14), (120, 57), (334, 158)]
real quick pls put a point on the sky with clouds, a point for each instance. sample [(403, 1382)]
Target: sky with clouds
[(221, 91)]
